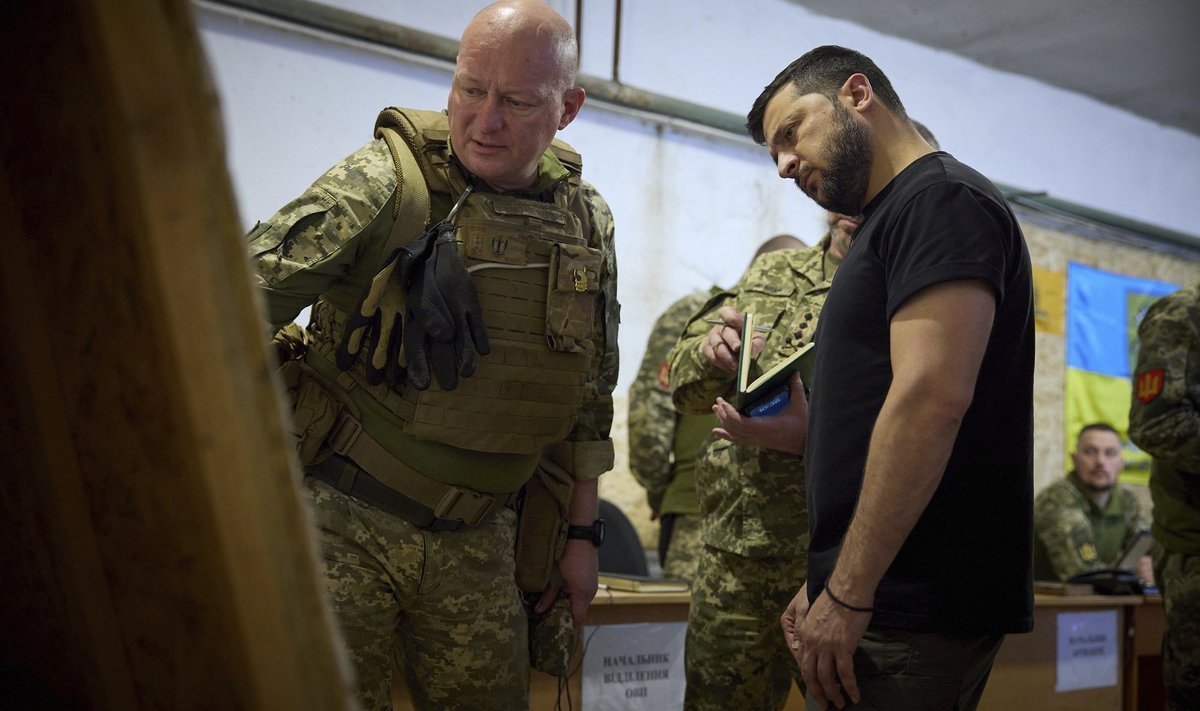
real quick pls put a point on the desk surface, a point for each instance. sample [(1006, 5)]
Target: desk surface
[(1040, 600), (621, 597), (1023, 676)]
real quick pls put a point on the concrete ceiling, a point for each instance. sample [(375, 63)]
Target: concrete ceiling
[(1139, 55)]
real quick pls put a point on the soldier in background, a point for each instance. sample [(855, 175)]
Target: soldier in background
[(663, 443), (412, 481), (1164, 420), (1084, 522), (753, 525)]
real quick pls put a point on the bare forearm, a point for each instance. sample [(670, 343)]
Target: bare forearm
[(584, 503)]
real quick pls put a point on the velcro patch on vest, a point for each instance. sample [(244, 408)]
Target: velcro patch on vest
[(528, 208), (488, 244)]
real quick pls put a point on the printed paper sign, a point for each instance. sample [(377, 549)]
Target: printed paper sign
[(1088, 650), (634, 667)]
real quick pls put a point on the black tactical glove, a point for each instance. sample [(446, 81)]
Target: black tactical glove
[(445, 327), (375, 325)]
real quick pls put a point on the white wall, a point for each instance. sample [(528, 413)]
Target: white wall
[(690, 205)]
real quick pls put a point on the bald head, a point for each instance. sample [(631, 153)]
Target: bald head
[(780, 241), (513, 90), (533, 24)]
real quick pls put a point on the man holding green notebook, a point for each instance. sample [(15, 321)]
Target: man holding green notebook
[(752, 498)]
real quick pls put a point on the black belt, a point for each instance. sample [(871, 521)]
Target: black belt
[(352, 480)]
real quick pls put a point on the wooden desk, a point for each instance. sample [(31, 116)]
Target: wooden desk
[(1023, 677), (611, 607), (1144, 689), (1026, 667), (615, 608)]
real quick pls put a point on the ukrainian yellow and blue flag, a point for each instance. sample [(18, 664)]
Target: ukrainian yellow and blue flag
[(1103, 313)]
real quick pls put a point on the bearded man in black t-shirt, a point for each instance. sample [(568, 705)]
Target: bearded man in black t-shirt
[(920, 445)]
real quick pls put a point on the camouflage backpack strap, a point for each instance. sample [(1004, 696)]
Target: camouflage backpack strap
[(411, 209)]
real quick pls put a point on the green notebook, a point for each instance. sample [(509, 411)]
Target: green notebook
[(768, 393)]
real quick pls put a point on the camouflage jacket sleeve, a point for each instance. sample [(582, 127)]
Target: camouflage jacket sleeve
[(595, 418), (1164, 418), (695, 381), (317, 239), (1060, 522), (652, 417), (775, 283)]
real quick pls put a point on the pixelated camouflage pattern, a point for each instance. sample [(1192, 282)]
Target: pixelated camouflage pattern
[(652, 417), (552, 640), (1178, 578), (735, 656), (444, 604), (596, 415), (752, 499), (1164, 420), (324, 247), (683, 552), (327, 240), (1075, 536)]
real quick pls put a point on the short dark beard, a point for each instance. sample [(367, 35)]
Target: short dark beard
[(844, 181)]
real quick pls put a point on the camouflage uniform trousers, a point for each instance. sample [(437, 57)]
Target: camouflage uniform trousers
[(735, 656), (1178, 577), (442, 607), (683, 552)]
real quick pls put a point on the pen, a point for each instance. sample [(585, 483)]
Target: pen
[(758, 329)]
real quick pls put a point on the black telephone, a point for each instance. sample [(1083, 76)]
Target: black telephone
[(1110, 581)]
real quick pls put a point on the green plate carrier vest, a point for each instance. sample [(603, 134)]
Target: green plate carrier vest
[(538, 283)]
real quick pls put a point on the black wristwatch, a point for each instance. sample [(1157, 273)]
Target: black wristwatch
[(593, 533)]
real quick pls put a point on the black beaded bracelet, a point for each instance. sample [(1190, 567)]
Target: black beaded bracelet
[(852, 608)]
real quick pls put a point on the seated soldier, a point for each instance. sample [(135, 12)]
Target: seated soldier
[(1085, 521)]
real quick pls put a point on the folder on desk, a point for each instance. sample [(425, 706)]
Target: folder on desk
[(1050, 587), (642, 583)]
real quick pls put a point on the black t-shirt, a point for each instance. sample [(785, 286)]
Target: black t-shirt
[(967, 565)]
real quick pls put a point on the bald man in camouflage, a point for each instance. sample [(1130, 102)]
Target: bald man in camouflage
[(1164, 420), (754, 526), (446, 368)]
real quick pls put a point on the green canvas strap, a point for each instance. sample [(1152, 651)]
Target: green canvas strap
[(411, 209)]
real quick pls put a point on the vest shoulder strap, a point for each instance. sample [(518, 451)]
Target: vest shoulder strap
[(410, 211), (568, 156), (411, 134)]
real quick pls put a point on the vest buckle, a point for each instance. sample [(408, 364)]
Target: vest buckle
[(470, 507), (345, 431)]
